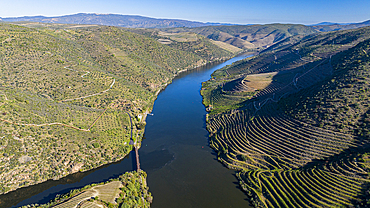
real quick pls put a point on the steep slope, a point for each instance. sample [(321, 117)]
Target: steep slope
[(309, 148), (65, 96)]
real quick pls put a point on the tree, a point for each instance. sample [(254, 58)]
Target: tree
[(243, 157)]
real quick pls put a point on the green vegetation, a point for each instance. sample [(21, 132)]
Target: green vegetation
[(128, 190), (294, 119), (65, 91), (248, 37), (196, 44)]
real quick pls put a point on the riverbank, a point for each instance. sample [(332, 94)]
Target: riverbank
[(175, 145), (113, 193), (189, 173), (41, 187)]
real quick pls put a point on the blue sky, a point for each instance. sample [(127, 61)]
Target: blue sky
[(237, 11)]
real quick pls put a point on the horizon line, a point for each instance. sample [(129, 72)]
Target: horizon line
[(166, 18)]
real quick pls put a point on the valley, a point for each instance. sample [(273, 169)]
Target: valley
[(291, 121), (65, 93)]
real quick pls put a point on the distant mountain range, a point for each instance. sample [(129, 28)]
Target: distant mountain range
[(130, 21), (329, 23), (327, 26), (245, 37), (135, 21)]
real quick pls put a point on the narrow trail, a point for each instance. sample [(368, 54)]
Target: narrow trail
[(97, 119), (87, 72), (293, 82), (46, 124), (131, 126), (56, 123), (95, 94), (6, 98)]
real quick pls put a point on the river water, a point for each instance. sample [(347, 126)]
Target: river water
[(183, 170)]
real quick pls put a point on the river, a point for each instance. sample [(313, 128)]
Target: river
[(183, 170)]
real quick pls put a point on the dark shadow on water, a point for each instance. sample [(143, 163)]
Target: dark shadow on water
[(133, 160), (64, 185), (237, 186), (155, 160), (205, 124)]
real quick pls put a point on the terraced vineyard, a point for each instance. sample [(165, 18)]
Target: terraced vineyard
[(307, 188), (303, 140)]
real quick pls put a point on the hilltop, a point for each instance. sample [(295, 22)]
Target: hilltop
[(130, 21)]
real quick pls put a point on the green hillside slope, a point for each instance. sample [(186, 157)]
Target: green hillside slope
[(192, 43), (294, 121), (66, 92)]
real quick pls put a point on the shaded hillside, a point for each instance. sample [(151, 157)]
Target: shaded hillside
[(340, 103), (303, 138), (66, 92), (131, 21)]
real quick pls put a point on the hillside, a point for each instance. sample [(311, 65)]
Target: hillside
[(248, 37), (192, 43), (130, 21), (66, 93), (294, 121), (259, 37)]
